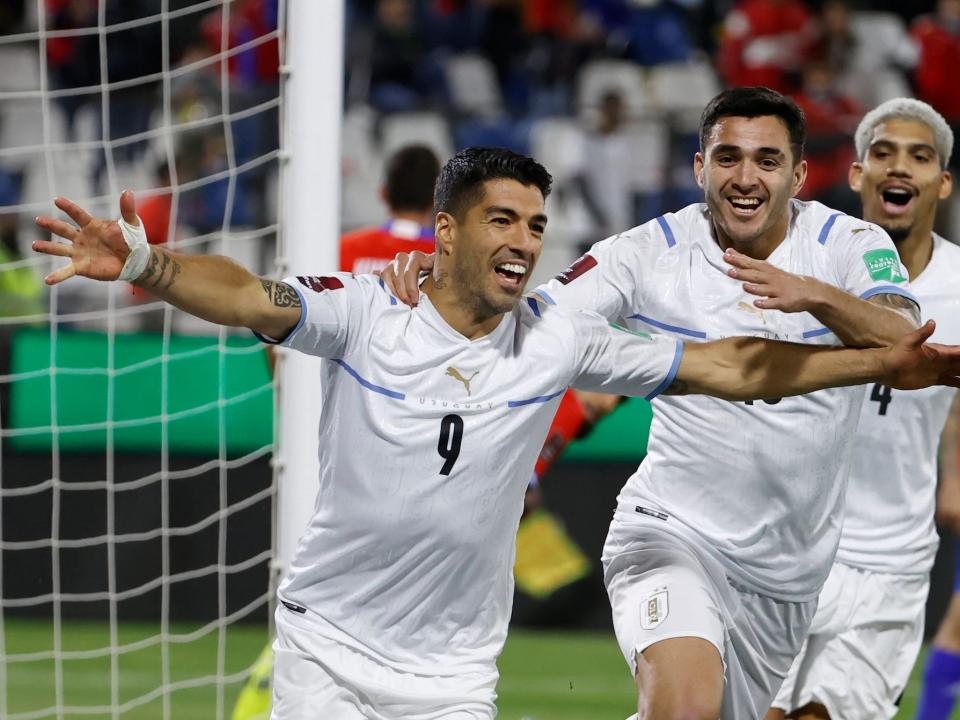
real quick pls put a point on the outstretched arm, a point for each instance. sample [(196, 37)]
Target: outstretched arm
[(748, 368), (211, 287)]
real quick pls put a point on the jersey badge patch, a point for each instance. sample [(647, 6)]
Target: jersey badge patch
[(655, 609), (456, 375), (319, 284), (579, 267), (884, 265)]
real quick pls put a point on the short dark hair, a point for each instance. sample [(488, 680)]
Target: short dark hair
[(751, 102), (461, 180), (411, 173)]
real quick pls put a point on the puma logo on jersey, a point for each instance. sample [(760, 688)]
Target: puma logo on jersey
[(455, 374), (752, 309)]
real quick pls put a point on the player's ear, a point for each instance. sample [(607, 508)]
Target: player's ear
[(946, 185), (799, 175), (855, 176), (698, 169), (445, 232)]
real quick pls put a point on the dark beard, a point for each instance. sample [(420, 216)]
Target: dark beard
[(898, 235)]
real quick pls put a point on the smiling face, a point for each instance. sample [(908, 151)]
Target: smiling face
[(900, 179), (748, 175), (493, 248)]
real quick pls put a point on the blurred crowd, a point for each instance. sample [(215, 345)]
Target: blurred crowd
[(606, 93)]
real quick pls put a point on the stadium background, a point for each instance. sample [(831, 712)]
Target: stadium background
[(606, 93)]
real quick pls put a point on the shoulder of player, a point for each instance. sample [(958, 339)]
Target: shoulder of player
[(823, 226), (539, 315), (661, 234), (366, 286), (948, 254)]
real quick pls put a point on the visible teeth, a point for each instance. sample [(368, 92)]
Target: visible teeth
[(745, 202), (512, 267), (897, 191)]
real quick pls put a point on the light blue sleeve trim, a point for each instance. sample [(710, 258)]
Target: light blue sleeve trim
[(671, 374), (827, 227), (289, 337), (889, 290), (667, 231), (546, 297)]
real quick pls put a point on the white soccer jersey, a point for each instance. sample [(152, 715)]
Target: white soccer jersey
[(888, 526), (427, 442), (759, 483)]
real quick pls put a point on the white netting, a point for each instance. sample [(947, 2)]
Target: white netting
[(137, 499)]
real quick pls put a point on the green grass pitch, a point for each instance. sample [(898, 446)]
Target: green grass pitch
[(544, 676)]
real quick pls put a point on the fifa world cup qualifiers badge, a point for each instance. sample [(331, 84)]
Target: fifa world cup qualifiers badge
[(654, 609)]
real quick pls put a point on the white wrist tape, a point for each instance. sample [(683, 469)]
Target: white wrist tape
[(136, 239)]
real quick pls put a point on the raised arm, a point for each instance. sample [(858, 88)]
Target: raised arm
[(211, 287), (748, 368)]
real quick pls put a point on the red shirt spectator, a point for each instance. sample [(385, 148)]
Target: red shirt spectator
[(371, 249), (939, 38), (764, 41)]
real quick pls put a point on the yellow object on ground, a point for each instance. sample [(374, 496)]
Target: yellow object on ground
[(547, 558), (256, 696)]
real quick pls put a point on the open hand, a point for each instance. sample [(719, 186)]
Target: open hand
[(96, 247), (402, 276), (913, 363), (779, 290)]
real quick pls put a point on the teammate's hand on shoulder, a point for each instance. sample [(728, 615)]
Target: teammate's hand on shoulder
[(96, 247), (779, 290), (402, 276)]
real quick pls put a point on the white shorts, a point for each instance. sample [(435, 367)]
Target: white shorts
[(316, 677), (661, 587), (862, 645)]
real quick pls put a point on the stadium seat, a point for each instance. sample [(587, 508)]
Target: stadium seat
[(473, 85), (361, 169), (558, 143), (681, 90), (601, 76), (428, 128)]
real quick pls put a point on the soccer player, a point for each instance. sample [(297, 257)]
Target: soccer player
[(724, 536), (397, 600), (408, 192), (868, 628)]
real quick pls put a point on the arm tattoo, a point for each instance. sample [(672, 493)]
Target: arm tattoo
[(157, 271), (904, 305), (281, 294)]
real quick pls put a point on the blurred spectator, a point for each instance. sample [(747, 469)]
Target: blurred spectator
[(403, 74), (408, 192), (73, 61), (936, 82), (604, 179), (832, 118), (868, 52), (766, 42), (21, 292), (248, 21)]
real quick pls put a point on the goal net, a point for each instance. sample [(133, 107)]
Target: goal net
[(137, 493)]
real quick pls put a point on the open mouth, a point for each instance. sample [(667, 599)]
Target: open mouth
[(511, 274), (745, 206), (896, 200)]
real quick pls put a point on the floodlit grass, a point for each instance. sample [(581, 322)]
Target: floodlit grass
[(544, 676)]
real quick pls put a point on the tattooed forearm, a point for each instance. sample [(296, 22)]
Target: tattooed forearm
[(281, 294), (159, 270), (904, 305)]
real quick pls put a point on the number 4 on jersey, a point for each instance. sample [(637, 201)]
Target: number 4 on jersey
[(883, 395)]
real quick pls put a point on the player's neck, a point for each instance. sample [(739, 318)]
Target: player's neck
[(460, 314), (423, 219), (916, 250), (759, 248)]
